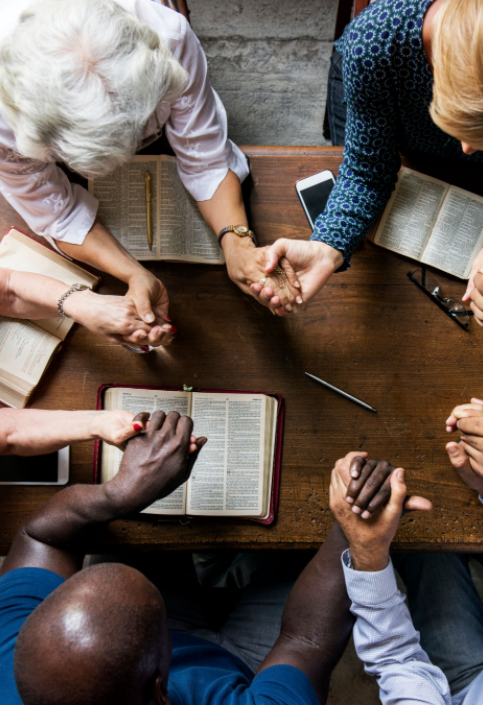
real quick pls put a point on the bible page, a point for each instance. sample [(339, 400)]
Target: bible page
[(409, 216), (457, 236), (23, 254), (25, 349), (122, 205), (184, 235), (227, 479), (137, 400)]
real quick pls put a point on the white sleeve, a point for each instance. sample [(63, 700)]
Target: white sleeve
[(41, 193), (197, 128), (387, 642)]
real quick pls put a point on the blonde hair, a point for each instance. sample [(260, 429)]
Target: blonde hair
[(79, 80), (457, 51)]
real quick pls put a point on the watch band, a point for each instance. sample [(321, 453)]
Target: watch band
[(239, 230), (60, 302)]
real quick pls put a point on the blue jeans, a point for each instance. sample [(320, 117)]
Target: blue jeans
[(336, 105), (447, 611)]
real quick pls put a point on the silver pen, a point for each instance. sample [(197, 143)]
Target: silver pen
[(344, 394)]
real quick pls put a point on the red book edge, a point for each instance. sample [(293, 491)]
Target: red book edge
[(277, 460)]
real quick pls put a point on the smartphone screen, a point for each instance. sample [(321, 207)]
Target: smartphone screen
[(316, 197), (38, 468)]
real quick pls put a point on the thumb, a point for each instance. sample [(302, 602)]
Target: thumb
[(417, 504), (398, 493), (459, 459), (143, 306), (274, 253)]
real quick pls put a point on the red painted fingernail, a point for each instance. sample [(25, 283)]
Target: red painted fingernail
[(173, 330), (168, 318), (137, 426), (144, 348)]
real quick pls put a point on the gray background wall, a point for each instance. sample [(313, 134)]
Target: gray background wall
[(268, 60)]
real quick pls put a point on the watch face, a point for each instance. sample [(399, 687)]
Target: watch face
[(241, 229)]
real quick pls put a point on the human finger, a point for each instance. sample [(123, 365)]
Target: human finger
[(418, 504), (162, 335), (171, 422), (471, 426), (140, 420), (193, 456), (184, 426), (469, 289), (356, 466), (355, 485), (398, 494), (478, 313), (372, 493), (156, 422), (475, 456), (459, 459), (274, 253), (289, 272), (475, 400)]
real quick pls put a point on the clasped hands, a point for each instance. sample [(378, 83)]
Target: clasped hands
[(306, 264), (375, 491)]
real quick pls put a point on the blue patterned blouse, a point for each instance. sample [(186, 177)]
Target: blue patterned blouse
[(388, 89)]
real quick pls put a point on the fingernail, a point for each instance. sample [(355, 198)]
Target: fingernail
[(144, 348), (299, 300), (452, 450), (137, 426), (350, 500), (365, 514), (149, 318), (449, 429), (400, 475), (356, 510), (173, 330), (447, 420), (168, 318), (297, 284), (288, 307), (354, 474)]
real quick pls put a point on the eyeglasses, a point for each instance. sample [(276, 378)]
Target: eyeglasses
[(452, 307)]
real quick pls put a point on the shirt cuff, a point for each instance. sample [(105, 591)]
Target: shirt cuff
[(74, 226), (322, 234), (203, 184), (367, 588)]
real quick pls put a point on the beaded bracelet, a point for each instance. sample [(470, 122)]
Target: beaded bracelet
[(60, 302)]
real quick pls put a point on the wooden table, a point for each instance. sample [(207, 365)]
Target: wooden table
[(371, 332)]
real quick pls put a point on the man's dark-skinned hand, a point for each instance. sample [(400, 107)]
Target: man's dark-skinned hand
[(157, 464), (54, 536), (369, 485)]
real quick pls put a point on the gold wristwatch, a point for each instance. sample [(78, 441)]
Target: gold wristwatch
[(240, 230)]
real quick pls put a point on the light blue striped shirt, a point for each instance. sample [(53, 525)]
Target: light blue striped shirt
[(388, 644)]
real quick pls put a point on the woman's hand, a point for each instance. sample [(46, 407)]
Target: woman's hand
[(114, 319), (308, 262), (474, 290), (467, 456), (151, 300), (246, 266), (117, 427)]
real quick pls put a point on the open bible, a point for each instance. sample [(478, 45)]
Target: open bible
[(179, 232), (237, 472), (27, 347), (435, 223)]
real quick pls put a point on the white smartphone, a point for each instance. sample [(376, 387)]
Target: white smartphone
[(49, 469), (314, 192)]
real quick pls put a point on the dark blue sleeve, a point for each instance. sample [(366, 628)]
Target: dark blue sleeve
[(371, 158), (21, 591), (281, 685)]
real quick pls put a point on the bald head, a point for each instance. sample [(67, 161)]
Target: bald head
[(100, 638)]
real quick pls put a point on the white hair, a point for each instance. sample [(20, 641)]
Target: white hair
[(79, 80)]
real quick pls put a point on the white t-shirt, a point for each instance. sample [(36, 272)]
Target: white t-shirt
[(195, 124)]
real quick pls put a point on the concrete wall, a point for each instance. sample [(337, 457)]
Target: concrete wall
[(268, 60)]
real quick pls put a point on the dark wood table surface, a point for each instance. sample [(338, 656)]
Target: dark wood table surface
[(370, 332)]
